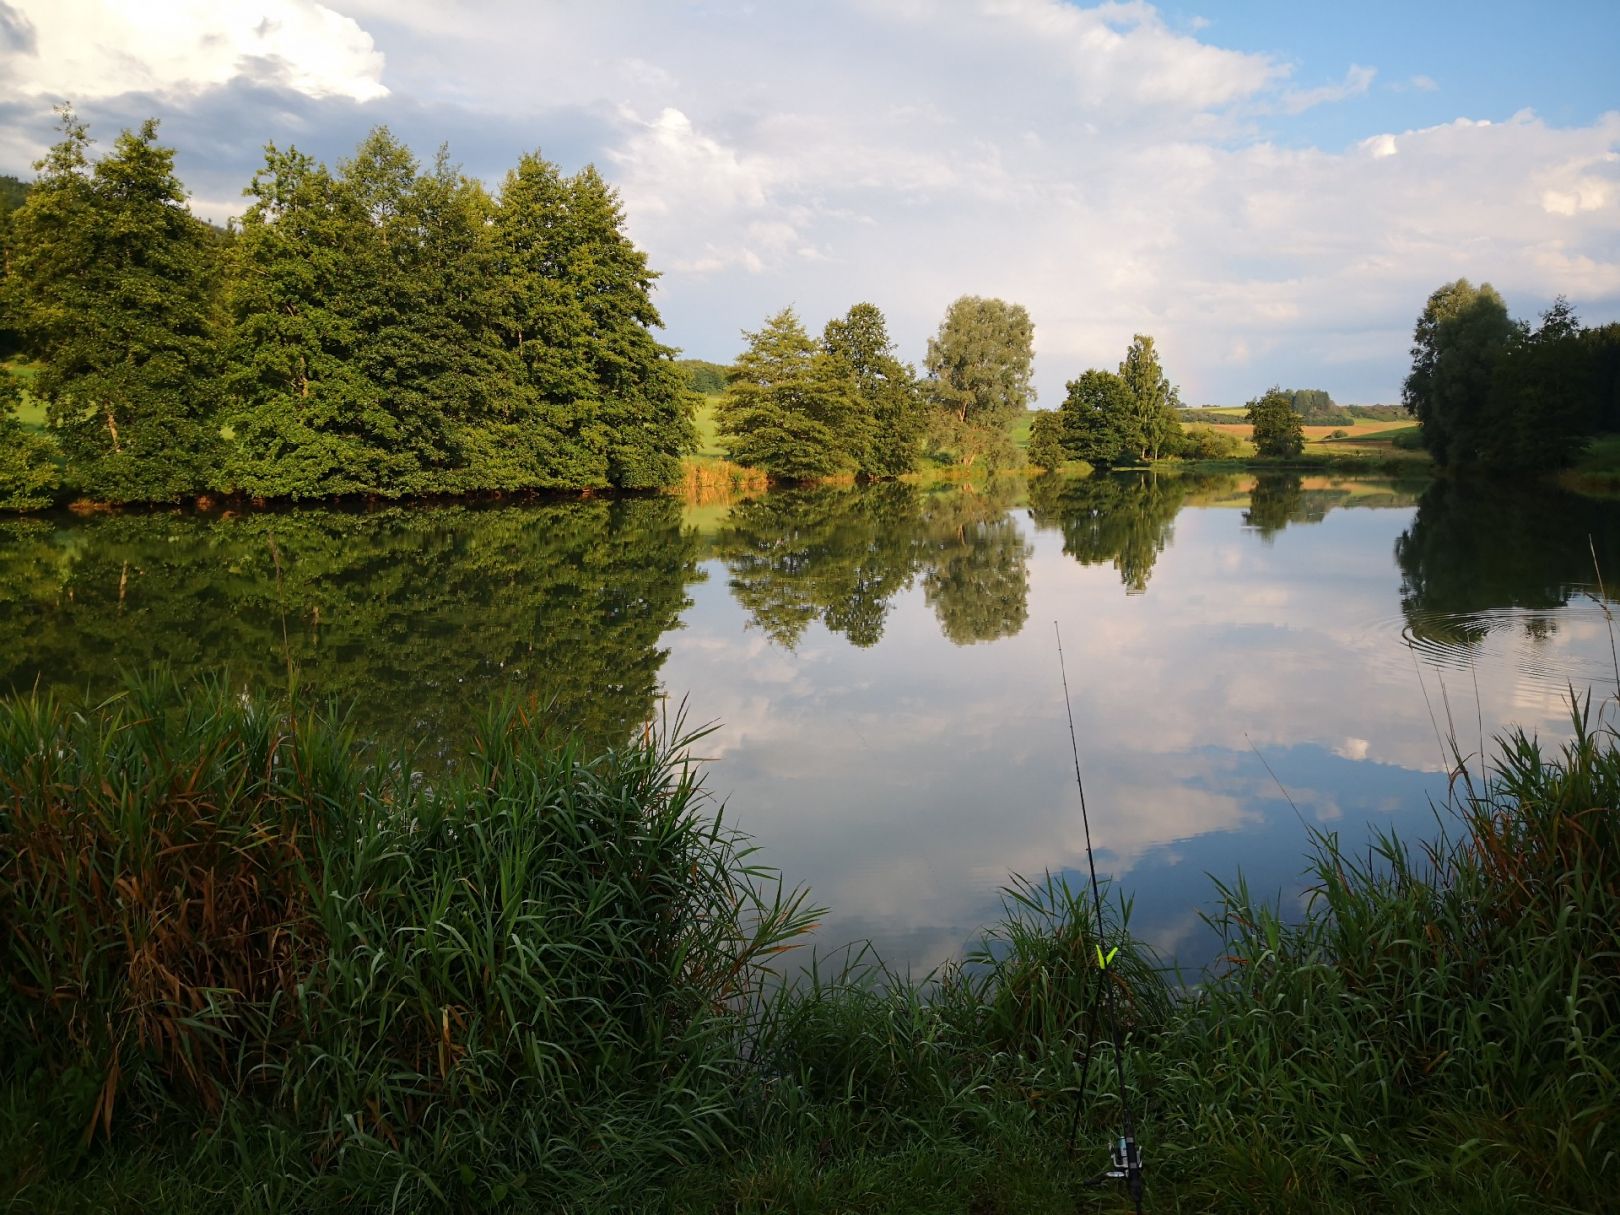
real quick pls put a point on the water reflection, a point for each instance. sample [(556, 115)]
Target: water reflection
[(880, 663), (1481, 556), (841, 556), (1125, 519), (415, 615)]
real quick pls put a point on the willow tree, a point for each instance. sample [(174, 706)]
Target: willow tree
[(112, 283), (980, 365)]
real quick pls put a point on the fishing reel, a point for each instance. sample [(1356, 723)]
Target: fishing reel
[(1126, 1166)]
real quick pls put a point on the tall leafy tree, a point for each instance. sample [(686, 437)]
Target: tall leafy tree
[(1046, 440), (792, 409), (980, 365), (1543, 399), (1277, 429), (306, 421), (1460, 336), (1100, 420), (1153, 399), (113, 281), (886, 387), (646, 407)]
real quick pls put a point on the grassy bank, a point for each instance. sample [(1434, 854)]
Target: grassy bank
[(250, 965)]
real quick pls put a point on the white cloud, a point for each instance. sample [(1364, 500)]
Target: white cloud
[(86, 49), (1112, 172), (1356, 82)]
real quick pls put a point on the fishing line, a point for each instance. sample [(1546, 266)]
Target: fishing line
[(1126, 1155)]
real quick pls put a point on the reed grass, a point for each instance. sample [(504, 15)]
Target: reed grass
[(552, 980)]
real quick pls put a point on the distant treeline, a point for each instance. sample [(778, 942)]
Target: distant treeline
[(382, 329), (1494, 392), (703, 377), (1315, 407)]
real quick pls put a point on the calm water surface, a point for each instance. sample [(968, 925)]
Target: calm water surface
[(882, 663)]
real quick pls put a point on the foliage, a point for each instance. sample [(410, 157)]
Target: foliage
[(1153, 398), (1461, 334), (1046, 441), (1315, 407), (13, 193), (1436, 1028), (1496, 393), (214, 902), (387, 329), (1277, 429), (793, 409), (703, 377), (979, 368), (1207, 443), (891, 403), (111, 282), (28, 476), (1100, 422)]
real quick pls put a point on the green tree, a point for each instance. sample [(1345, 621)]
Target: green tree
[(1278, 430), (886, 387), (1046, 440), (113, 283), (979, 367), (645, 408), (1544, 396), (13, 193), (1154, 400), (1459, 338), (1100, 420), (792, 409)]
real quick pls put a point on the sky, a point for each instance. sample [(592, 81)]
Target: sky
[(1271, 190)]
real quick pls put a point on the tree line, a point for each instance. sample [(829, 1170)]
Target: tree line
[(384, 328), (1498, 393), (845, 405)]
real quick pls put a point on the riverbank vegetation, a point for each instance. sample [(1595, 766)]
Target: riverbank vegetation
[(1497, 394), (253, 963), (384, 329)]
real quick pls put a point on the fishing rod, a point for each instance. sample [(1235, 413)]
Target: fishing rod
[(1124, 1154)]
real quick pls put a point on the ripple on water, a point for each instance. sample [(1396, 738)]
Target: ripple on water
[(1531, 642)]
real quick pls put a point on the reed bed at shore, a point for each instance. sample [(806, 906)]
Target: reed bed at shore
[(250, 963)]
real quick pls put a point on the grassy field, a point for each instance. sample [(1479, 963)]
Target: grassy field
[(255, 969), (30, 411)]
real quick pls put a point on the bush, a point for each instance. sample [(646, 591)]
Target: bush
[(1207, 443)]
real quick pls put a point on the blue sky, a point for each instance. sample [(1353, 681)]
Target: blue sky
[(1486, 59), (1270, 190)]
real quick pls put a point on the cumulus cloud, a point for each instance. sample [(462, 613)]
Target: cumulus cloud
[(1114, 172), (85, 49)]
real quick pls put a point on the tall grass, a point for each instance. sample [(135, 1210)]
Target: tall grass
[(264, 969)]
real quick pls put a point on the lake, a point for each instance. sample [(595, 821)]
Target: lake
[(1247, 657)]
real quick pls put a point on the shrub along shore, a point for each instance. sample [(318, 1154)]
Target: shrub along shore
[(250, 963)]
